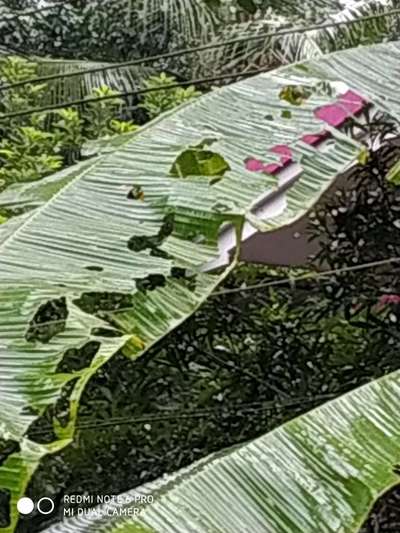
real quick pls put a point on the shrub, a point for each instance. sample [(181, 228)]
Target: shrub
[(158, 102), (36, 145)]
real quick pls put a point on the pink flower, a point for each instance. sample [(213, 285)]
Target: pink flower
[(386, 299)]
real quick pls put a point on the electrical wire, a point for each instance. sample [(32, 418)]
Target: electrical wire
[(239, 409), (62, 105), (273, 283), (308, 275), (202, 48)]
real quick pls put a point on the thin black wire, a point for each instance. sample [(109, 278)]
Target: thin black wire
[(139, 92), (308, 275), (195, 413), (211, 46), (274, 283)]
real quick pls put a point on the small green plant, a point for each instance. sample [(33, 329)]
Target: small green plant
[(28, 154), (14, 70), (100, 116), (36, 145), (69, 133), (157, 102)]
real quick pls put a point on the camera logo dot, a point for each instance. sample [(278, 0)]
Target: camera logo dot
[(44, 506), (25, 506)]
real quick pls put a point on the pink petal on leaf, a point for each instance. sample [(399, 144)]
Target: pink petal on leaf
[(352, 102), (332, 114), (254, 165), (349, 103), (283, 150), (272, 168), (314, 138)]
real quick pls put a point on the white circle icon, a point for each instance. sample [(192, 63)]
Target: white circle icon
[(25, 505), (48, 508)]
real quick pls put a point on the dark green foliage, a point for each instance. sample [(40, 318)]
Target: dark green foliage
[(361, 224), (157, 102), (385, 514), (37, 145)]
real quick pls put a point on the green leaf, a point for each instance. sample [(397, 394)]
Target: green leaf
[(320, 472), (295, 94), (198, 162), (394, 174), (363, 156)]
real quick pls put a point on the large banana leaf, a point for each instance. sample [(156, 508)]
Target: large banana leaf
[(320, 473), (128, 224)]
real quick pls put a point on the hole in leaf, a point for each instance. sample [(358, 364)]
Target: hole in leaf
[(106, 332), (220, 207), (28, 410), (151, 282), (95, 302), (167, 226), (5, 508), (136, 193), (286, 113), (156, 252), (295, 94), (77, 359), (200, 161), (60, 412), (184, 275), (94, 268), (7, 448), (178, 273), (48, 321), (138, 243), (385, 514)]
